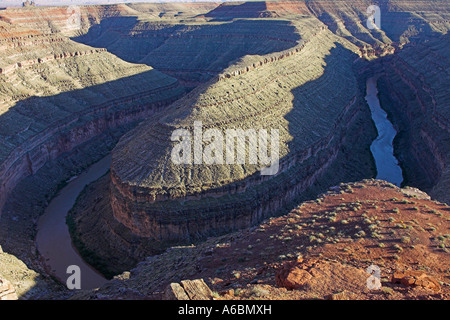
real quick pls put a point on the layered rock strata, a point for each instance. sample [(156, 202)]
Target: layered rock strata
[(414, 92), (320, 250), (56, 94), (200, 50), (7, 291), (312, 97), (160, 200)]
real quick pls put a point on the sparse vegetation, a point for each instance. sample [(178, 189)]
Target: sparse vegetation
[(405, 239), (299, 74), (387, 290)]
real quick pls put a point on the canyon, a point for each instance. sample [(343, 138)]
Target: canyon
[(128, 75), (382, 147), (319, 250)]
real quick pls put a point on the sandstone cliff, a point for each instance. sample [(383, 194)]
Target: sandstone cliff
[(295, 66), (413, 92), (322, 249), (42, 94), (234, 196), (159, 202)]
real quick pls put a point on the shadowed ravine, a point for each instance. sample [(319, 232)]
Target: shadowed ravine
[(382, 148), (58, 257), (87, 113)]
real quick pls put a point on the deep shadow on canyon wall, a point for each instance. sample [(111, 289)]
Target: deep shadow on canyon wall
[(35, 168), (424, 153), (62, 146), (342, 156), (413, 90), (422, 144), (40, 129), (191, 53)]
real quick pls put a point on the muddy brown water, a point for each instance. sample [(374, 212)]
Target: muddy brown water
[(53, 238)]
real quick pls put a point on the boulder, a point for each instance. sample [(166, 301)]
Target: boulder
[(188, 290), (339, 296), (7, 291), (197, 289), (175, 292), (413, 278), (292, 276)]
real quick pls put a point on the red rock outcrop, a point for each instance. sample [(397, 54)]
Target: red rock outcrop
[(27, 63), (413, 278), (292, 275), (317, 275)]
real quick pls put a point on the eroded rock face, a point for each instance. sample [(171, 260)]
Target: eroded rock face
[(260, 9), (259, 262), (7, 291), (194, 201), (207, 49), (188, 290), (324, 122), (38, 18), (155, 199), (413, 278), (319, 275), (413, 91), (292, 276), (45, 108), (175, 291)]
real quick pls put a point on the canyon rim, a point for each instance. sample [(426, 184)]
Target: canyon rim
[(225, 150)]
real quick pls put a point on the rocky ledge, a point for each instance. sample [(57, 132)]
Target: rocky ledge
[(328, 248), (159, 199), (56, 94), (7, 291)]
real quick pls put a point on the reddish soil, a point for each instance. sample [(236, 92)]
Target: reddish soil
[(326, 246)]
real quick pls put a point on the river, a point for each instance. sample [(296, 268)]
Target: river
[(53, 238), (382, 148)]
